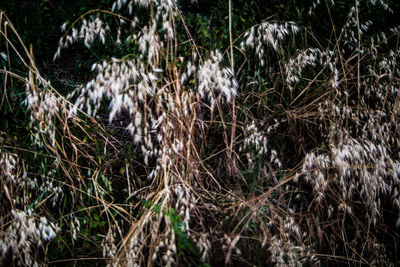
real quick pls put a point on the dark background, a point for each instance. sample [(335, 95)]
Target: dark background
[(38, 22)]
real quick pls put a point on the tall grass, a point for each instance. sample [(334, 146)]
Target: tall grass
[(272, 151)]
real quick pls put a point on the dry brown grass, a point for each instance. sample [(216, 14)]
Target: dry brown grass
[(303, 171)]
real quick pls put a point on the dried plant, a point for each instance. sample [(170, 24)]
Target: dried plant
[(291, 161)]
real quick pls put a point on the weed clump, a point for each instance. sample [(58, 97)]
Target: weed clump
[(278, 150)]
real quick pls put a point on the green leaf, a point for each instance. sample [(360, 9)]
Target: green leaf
[(84, 232), (147, 204), (157, 208)]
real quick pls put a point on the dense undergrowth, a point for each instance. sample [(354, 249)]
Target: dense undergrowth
[(263, 140)]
